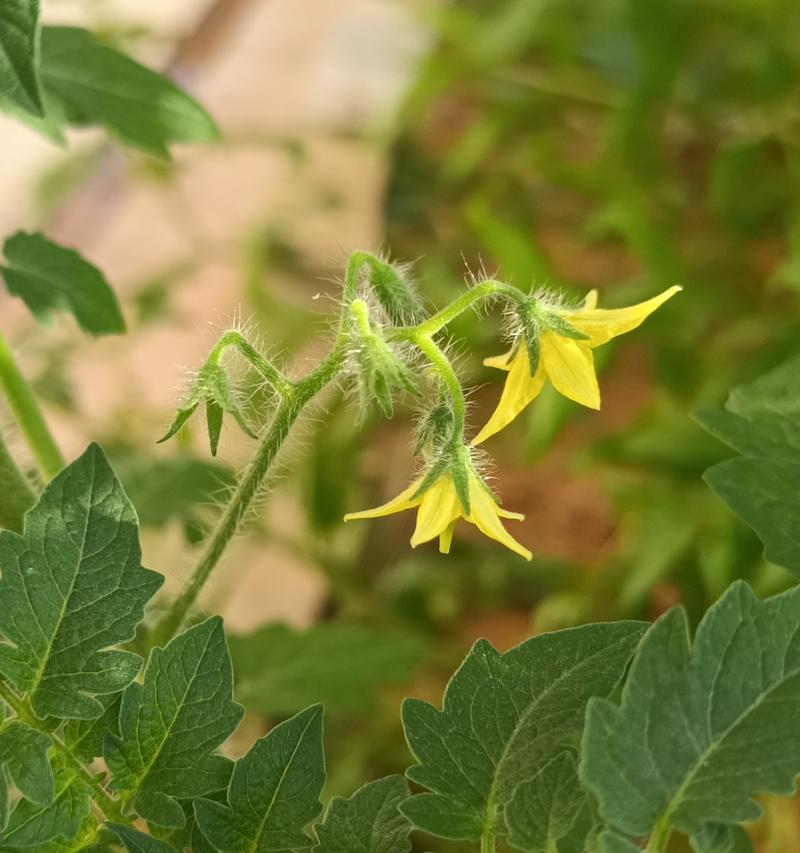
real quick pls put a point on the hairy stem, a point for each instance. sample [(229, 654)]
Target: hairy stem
[(659, 837), (28, 415), (484, 290), (104, 802), (247, 492), (441, 364), (18, 496), (488, 841), (233, 338)]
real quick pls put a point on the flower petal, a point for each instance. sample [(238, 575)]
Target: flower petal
[(603, 324), (438, 509), (402, 502), (486, 518), (446, 539), (570, 367), (501, 362), (520, 388)]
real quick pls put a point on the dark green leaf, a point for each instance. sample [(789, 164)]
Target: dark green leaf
[(19, 54), (23, 756), (505, 718), (274, 791), (32, 825), (137, 842), (72, 585), (50, 278), (172, 723), (717, 718), (543, 809), (88, 83), (367, 822), (281, 670), (85, 737)]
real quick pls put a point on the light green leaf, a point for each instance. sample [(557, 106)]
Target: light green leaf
[(610, 842), (274, 791), (716, 718), (32, 825), (506, 717), (137, 842), (761, 421), (88, 83), (280, 670), (19, 54), (172, 723), (72, 585), (719, 838), (543, 809), (367, 822), (50, 278), (23, 760)]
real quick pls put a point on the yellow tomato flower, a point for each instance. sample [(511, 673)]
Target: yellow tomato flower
[(567, 362), (440, 507)]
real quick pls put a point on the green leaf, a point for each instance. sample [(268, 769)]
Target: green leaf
[(172, 723), (281, 670), (274, 791), (137, 842), (610, 842), (32, 825), (761, 421), (84, 738), (50, 278), (717, 718), (719, 838), (19, 54), (88, 83), (505, 718), (72, 585), (23, 760), (367, 822), (543, 809)]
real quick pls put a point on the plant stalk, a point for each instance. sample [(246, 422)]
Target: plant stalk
[(475, 294), (28, 415), (247, 492), (441, 364), (659, 837), (488, 841)]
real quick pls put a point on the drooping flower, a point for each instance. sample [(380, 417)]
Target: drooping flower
[(565, 339), (444, 494)]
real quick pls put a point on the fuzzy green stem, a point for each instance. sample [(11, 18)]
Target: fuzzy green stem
[(233, 338), (110, 807), (18, 496), (28, 415), (247, 491), (488, 841), (441, 364), (484, 290), (659, 837)]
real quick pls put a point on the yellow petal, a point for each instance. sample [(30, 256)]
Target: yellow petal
[(601, 325), (402, 502), (514, 516), (520, 388), (570, 367), (446, 539), (438, 509), (590, 301), (485, 516), (501, 362)]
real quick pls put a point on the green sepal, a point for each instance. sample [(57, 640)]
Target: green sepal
[(395, 294), (556, 323), (461, 470), (432, 475), (534, 348), (214, 416), (183, 415)]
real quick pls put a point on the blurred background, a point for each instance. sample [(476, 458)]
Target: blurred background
[(622, 145)]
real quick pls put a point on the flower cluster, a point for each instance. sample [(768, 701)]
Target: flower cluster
[(551, 342)]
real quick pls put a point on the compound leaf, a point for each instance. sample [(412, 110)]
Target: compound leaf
[(716, 718), (137, 842), (89, 83), (172, 723), (281, 670), (71, 586), (543, 809), (505, 717), (50, 278), (367, 822), (721, 838), (19, 54), (274, 791)]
